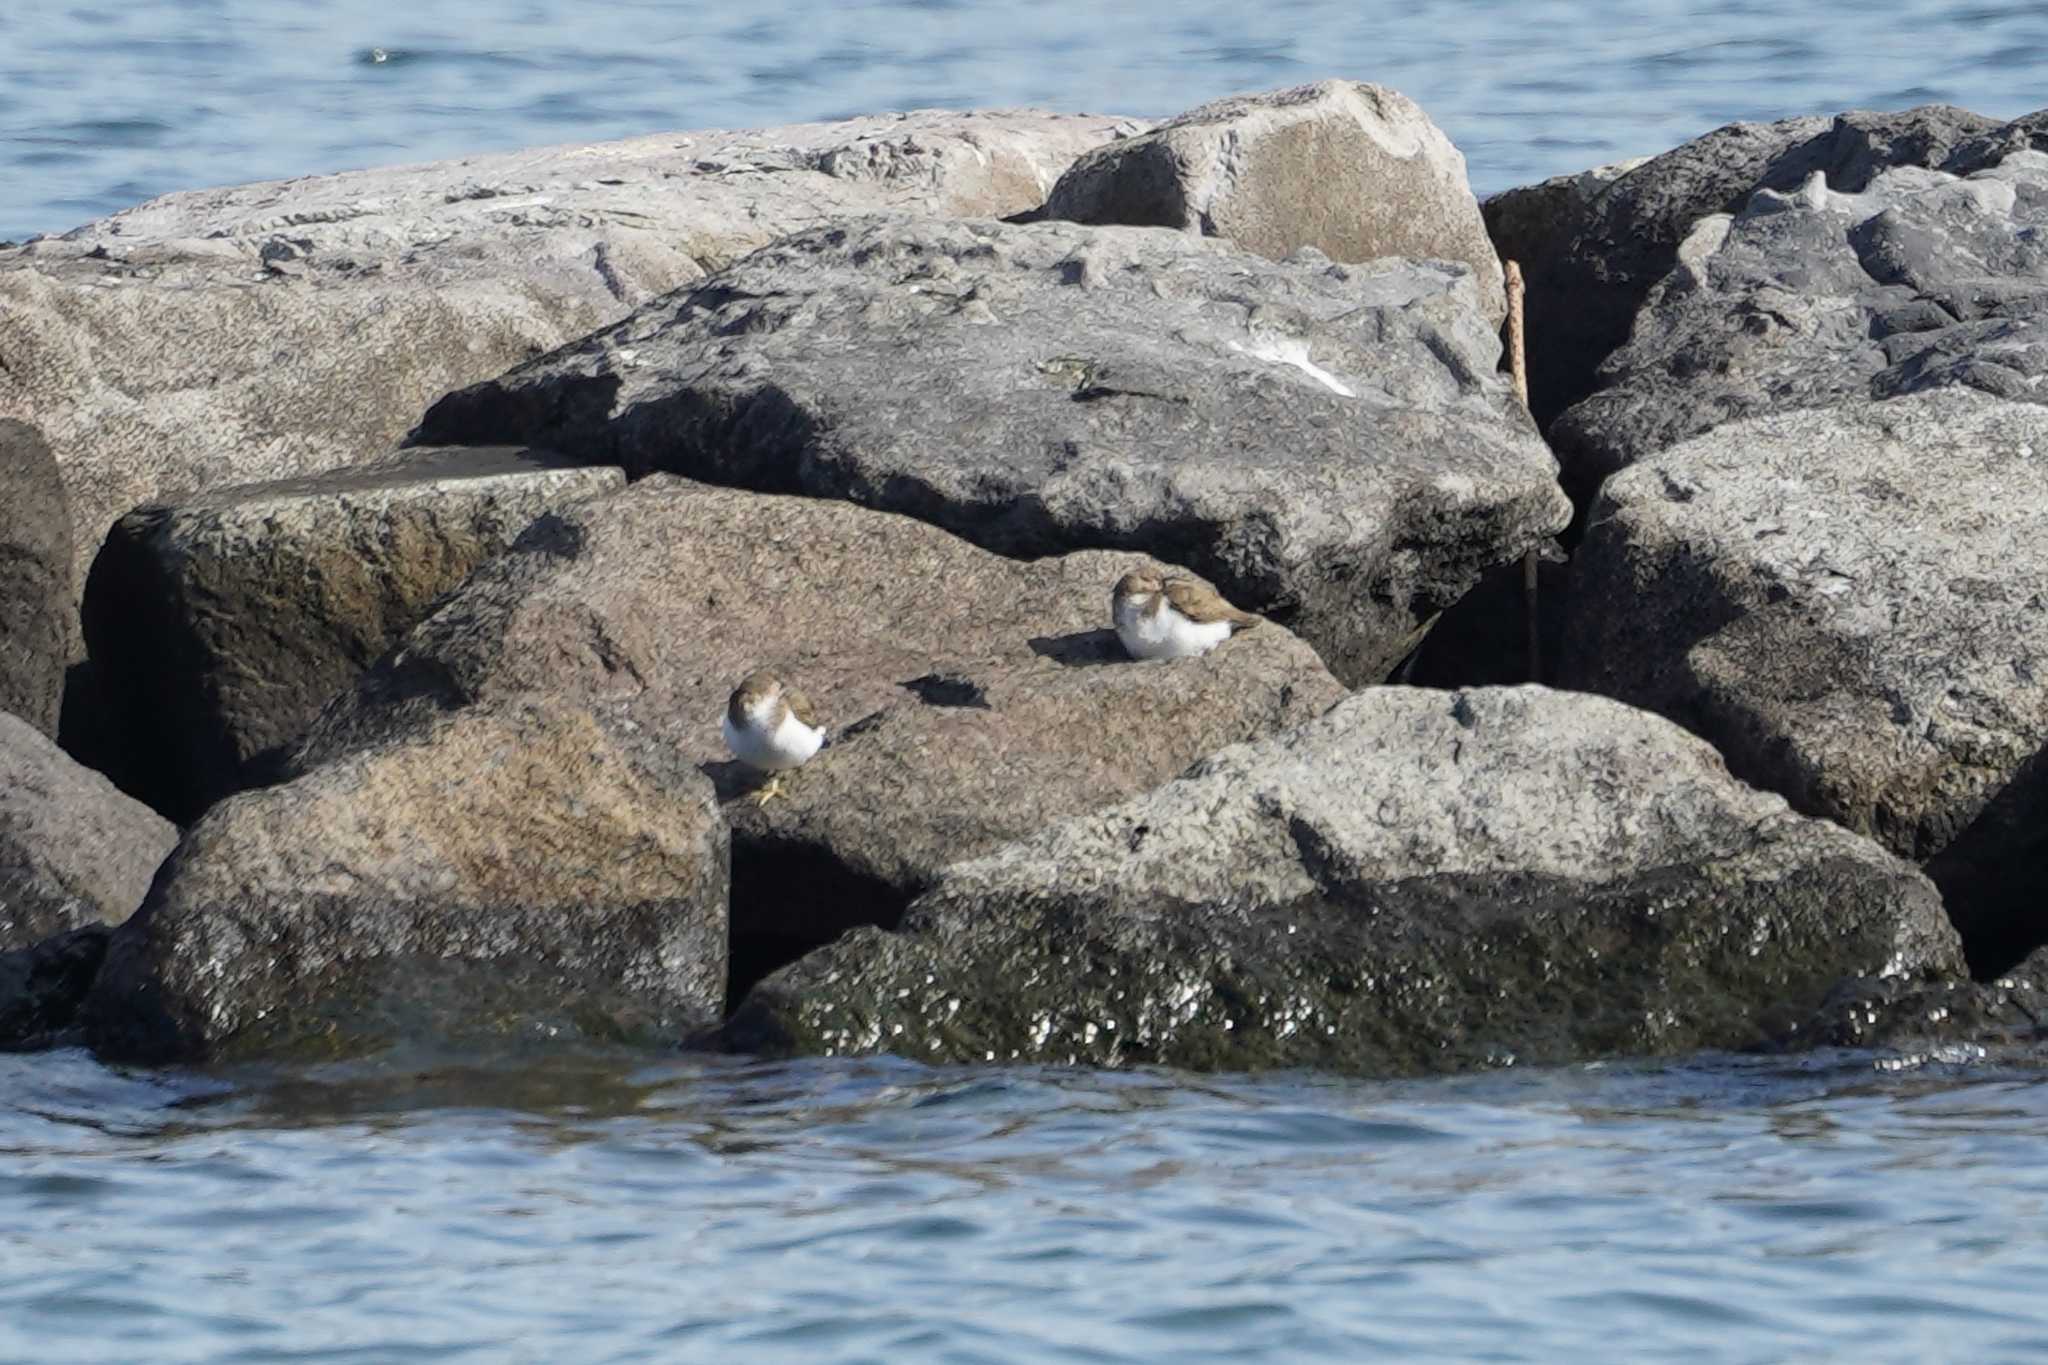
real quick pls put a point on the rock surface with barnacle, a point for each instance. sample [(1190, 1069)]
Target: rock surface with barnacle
[(1416, 881)]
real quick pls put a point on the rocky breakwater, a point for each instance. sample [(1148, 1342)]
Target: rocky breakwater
[(76, 857), (1594, 245), (510, 874), (1416, 881), (1330, 444), (220, 625), (1356, 171), (1849, 602), (971, 699), (315, 318), (1809, 297)]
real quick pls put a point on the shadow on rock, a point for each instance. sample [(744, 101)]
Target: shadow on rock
[(1081, 649)]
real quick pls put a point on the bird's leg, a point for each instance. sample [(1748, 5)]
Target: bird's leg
[(770, 789)]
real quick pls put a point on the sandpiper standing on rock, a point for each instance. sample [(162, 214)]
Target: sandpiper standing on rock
[(770, 726), (1172, 618)]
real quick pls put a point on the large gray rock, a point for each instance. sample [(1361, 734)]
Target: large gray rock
[(1356, 171), (1923, 280), (974, 698), (73, 850), (35, 578), (1330, 444), (1849, 603), (1417, 881), (513, 873), (315, 318), (219, 626), (1590, 271)]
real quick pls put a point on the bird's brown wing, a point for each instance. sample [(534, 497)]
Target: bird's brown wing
[(800, 706), (1203, 604)]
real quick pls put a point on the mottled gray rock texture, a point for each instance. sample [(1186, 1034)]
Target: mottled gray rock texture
[(1852, 605), (35, 578), (73, 850), (1974, 153), (972, 699), (314, 319), (1356, 171), (1922, 280), (1417, 881), (514, 873), (1536, 223), (1330, 444), (1606, 252), (219, 626)]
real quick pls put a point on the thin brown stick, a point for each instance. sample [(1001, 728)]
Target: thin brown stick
[(1518, 366), (1518, 352)]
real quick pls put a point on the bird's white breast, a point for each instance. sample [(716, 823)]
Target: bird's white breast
[(1165, 634), (789, 744)]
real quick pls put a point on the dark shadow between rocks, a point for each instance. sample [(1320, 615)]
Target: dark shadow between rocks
[(41, 988), (1082, 649), (1482, 639), (1991, 873), (84, 728), (164, 754), (788, 884)]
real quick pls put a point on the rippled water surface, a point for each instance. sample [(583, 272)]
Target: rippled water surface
[(1725, 1209), (102, 105)]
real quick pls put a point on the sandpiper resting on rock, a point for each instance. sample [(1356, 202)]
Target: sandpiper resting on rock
[(770, 726), (1172, 618)]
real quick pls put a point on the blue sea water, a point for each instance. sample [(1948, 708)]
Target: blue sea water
[(1721, 1209), (103, 105), (609, 1208)]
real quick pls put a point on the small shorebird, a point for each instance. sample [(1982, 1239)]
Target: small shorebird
[(770, 726), (1172, 618)]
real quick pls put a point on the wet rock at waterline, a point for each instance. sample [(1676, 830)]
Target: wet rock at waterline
[(1939, 1020), (1356, 171), (1331, 445), (1416, 881), (1923, 280), (511, 874), (41, 987), (285, 328), (1851, 604), (36, 599), (1607, 246), (74, 851), (971, 698), (219, 626)]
